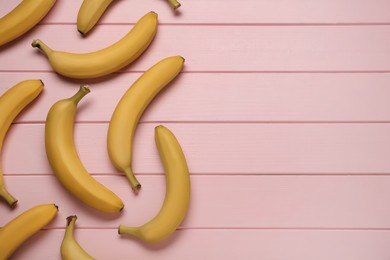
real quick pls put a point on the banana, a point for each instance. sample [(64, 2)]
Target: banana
[(174, 3), (128, 111), (18, 230), (177, 191), (23, 18), (107, 60), (70, 248), (12, 103), (65, 162), (90, 13)]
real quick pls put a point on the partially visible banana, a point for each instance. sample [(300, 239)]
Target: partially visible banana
[(90, 13), (177, 195), (65, 162), (12, 103), (174, 3), (128, 111), (107, 60), (70, 248), (18, 230), (23, 18)]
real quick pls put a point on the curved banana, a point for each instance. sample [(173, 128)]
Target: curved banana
[(65, 162), (12, 103), (174, 3), (90, 13), (127, 113), (23, 18), (177, 191), (105, 61), (70, 248), (18, 230)]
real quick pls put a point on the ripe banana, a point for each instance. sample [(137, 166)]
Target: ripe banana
[(18, 230), (23, 18), (90, 13), (107, 60), (12, 103), (177, 191), (130, 108), (65, 162), (70, 248), (174, 3)]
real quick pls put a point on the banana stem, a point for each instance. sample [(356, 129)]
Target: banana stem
[(122, 229), (174, 3), (43, 47), (8, 197), (135, 185), (84, 90)]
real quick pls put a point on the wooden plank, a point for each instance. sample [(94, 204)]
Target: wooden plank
[(233, 202), (230, 11), (221, 148), (224, 48), (243, 97), (212, 244)]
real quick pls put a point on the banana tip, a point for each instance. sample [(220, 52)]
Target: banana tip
[(137, 187), (70, 218), (81, 32), (85, 88), (36, 43), (14, 204), (153, 12), (119, 230)]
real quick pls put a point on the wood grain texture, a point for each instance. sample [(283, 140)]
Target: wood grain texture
[(227, 202), (230, 11), (227, 97), (211, 244), (221, 148), (209, 48), (282, 112)]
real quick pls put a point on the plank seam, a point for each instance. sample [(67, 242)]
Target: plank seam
[(222, 122), (232, 71), (244, 228), (234, 24), (217, 174)]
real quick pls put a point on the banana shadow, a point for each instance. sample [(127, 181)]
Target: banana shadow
[(156, 246)]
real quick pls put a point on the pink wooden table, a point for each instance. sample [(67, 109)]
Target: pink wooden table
[(283, 111)]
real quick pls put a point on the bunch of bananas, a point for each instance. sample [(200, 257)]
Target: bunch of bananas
[(59, 137)]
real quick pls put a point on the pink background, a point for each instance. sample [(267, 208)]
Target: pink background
[(282, 110)]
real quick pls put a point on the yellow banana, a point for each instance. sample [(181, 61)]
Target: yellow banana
[(107, 60), (174, 3), (70, 248), (130, 108), (90, 13), (18, 230), (177, 191), (65, 162), (23, 18), (12, 103)]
